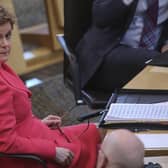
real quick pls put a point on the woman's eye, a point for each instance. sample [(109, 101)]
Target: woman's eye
[(8, 36)]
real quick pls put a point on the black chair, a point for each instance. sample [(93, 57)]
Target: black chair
[(77, 19), (25, 156)]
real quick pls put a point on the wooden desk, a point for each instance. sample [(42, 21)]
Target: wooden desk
[(151, 77), (155, 142)]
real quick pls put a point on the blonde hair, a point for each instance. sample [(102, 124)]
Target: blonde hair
[(6, 16)]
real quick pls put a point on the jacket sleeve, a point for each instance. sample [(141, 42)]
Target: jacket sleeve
[(10, 141), (109, 12), (164, 35)]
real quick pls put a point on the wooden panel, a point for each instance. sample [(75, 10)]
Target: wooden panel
[(59, 4), (151, 77), (46, 35), (54, 20)]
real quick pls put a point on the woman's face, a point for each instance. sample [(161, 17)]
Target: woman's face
[(5, 41)]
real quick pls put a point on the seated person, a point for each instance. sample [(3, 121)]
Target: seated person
[(124, 34), (129, 151), (22, 132)]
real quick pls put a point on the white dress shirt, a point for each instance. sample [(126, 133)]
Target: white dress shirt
[(133, 34)]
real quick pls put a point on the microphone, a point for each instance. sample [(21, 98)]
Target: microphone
[(112, 99), (90, 115)]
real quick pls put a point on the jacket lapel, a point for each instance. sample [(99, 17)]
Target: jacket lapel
[(13, 79)]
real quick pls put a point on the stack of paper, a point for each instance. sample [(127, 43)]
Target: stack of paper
[(137, 112)]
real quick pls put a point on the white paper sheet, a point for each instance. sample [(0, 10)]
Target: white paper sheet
[(154, 141), (142, 112)]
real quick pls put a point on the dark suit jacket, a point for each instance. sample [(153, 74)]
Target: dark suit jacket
[(110, 20)]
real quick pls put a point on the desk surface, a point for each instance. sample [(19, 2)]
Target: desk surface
[(155, 142), (151, 77)]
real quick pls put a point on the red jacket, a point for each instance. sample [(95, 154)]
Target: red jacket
[(22, 132)]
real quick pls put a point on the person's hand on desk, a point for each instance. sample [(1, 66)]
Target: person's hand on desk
[(52, 121)]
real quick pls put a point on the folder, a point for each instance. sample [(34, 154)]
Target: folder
[(136, 117)]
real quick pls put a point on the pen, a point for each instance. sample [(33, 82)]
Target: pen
[(112, 99), (62, 133), (148, 61)]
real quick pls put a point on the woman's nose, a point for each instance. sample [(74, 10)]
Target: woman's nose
[(4, 41)]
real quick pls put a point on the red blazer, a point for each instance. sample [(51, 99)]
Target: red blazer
[(22, 132)]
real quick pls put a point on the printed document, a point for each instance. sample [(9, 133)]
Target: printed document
[(139, 112)]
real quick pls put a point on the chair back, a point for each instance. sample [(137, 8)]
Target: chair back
[(77, 20), (20, 156)]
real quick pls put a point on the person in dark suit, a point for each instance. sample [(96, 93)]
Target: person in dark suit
[(112, 52)]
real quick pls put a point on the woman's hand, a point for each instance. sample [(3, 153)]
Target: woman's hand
[(64, 156), (52, 121)]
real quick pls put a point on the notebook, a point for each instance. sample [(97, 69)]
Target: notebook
[(135, 116), (137, 112)]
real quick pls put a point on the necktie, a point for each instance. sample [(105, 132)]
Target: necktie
[(149, 35)]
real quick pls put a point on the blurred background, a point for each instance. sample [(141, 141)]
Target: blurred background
[(30, 12)]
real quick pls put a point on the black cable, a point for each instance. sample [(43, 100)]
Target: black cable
[(87, 127)]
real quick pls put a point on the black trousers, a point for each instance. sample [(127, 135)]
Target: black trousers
[(119, 67)]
